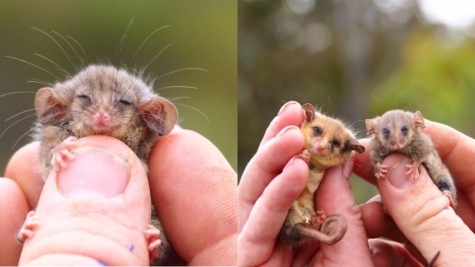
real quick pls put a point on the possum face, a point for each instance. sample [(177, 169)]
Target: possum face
[(104, 102), (327, 139)]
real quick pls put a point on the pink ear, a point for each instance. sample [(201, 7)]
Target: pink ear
[(309, 112), (371, 126), (356, 146), (159, 114), (419, 120), (51, 106)]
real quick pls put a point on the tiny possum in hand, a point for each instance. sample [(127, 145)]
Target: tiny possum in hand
[(400, 131), (327, 143), (101, 100)]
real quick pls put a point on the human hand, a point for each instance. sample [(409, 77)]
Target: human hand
[(273, 179), (422, 223), (200, 178)]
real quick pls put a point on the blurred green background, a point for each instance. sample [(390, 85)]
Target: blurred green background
[(355, 59), (203, 34)]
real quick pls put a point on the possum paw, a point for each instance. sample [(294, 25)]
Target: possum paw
[(318, 218), (26, 231), (62, 151), (152, 234), (413, 169), (380, 170), (305, 155)]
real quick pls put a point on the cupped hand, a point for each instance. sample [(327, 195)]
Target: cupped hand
[(420, 215), (186, 171)]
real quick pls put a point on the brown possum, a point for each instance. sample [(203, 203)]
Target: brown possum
[(327, 143)]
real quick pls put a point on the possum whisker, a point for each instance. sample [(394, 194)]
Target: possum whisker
[(121, 41), (75, 52), (21, 137), (60, 47), (375, 98), (19, 113), (11, 125), (175, 71), (80, 46), (38, 82), (195, 110), (153, 59), (34, 80), (136, 52), (52, 62), (176, 86), (29, 63), (19, 92), (178, 98)]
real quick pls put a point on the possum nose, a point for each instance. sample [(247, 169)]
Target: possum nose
[(320, 148), (101, 118)]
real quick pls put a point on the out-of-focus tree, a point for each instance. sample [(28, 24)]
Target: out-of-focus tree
[(353, 58)]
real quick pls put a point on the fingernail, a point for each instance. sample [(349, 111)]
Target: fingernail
[(93, 172), (286, 105), (289, 163), (287, 129), (397, 176)]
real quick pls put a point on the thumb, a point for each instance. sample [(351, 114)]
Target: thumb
[(94, 211), (423, 213)]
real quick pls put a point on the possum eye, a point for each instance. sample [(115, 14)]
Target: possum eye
[(335, 143), (405, 129), (385, 132), (317, 130), (125, 102), (84, 97)]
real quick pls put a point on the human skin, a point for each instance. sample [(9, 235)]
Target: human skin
[(202, 186), (274, 178), (420, 213), (272, 181)]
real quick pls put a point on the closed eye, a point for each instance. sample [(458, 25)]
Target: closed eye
[(125, 102), (84, 96), (335, 143)]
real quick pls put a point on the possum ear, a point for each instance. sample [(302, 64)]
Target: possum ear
[(159, 114), (353, 144), (50, 106), (309, 112), (371, 125), (419, 120)]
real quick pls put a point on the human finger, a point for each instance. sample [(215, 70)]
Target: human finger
[(391, 254), (27, 176), (268, 162), (257, 238), (423, 215), (291, 113), (194, 190), (95, 211), (14, 206), (334, 196)]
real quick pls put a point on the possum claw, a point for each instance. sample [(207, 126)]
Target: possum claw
[(413, 169), (62, 151), (305, 155), (318, 218), (152, 234), (380, 170), (26, 231)]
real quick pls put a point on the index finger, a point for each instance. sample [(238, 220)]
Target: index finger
[(291, 113)]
